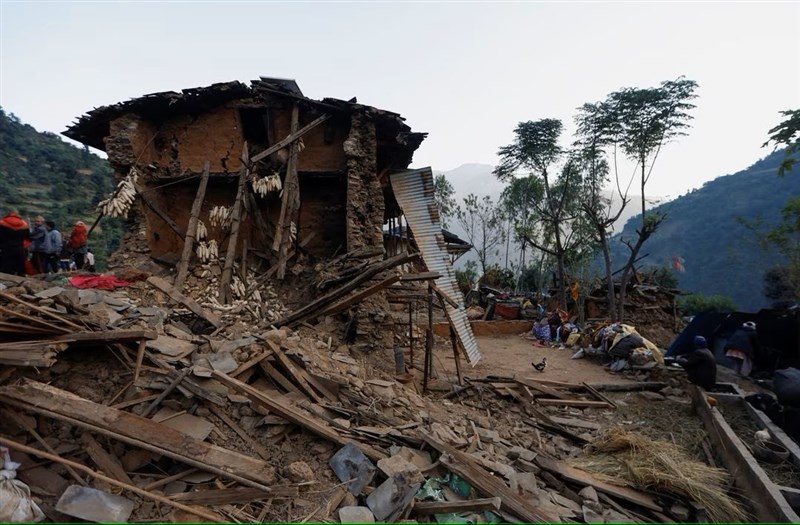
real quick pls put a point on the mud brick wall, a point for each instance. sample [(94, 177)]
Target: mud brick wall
[(365, 205), (130, 141)]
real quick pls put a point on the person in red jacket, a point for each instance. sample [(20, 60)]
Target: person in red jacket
[(14, 238), (78, 243)]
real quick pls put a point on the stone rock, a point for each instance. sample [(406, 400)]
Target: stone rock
[(392, 496), (592, 516), (398, 464), (352, 466), (517, 452), (299, 471), (651, 396), (589, 494), (524, 482), (351, 514)]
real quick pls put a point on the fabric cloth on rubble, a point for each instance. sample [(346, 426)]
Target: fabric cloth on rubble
[(644, 351), (743, 346), (700, 365), (16, 505), (102, 281), (14, 238)]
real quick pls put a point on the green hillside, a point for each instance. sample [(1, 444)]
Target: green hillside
[(721, 255), (42, 174)]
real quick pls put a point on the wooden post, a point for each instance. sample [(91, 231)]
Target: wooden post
[(428, 341), (243, 266), (411, 330), (454, 340), (290, 203), (230, 253), (191, 230)]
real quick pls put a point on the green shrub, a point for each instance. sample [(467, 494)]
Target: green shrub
[(698, 303)]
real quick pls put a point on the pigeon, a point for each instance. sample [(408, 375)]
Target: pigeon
[(540, 366)]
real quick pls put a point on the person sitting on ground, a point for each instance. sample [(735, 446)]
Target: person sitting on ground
[(14, 238), (700, 365)]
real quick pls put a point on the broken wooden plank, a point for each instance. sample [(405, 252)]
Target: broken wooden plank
[(585, 478), (360, 296), (536, 385), (426, 508), (296, 372), (577, 423), (295, 416), (191, 230), (188, 302), (44, 311), (238, 495), (371, 271), (278, 377), (244, 367), (465, 466), (598, 395), (572, 403), (236, 220), (138, 431), (39, 356), (110, 336), (424, 276), (142, 193), (133, 488), (290, 202), (104, 461), (167, 391), (16, 279), (444, 297)]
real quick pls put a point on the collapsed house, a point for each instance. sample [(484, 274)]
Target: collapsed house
[(281, 176)]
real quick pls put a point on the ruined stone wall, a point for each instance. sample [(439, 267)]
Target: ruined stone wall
[(365, 204), (130, 142)]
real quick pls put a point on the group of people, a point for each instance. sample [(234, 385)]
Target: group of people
[(40, 248)]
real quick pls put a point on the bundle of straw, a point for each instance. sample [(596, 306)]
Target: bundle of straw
[(661, 466)]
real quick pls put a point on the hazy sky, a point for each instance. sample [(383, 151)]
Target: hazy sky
[(466, 72)]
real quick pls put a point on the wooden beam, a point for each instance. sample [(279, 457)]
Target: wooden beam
[(293, 136), (316, 305), (294, 415), (188, 302), (444, 296), (104, 461), (133, 488), (290, 202), (138, 431), (465, 466), (573, 403), (585, 478), (43, 311), (544, 389), (360, 296), (426, 276), (253, 444), (163, 216), (109, 336), (308, 382), (238, 495), (191, 230), (426, 508), (236, 220)]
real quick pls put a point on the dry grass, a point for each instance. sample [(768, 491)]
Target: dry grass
[(620, 455)]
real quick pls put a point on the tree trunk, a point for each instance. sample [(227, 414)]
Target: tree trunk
[(610, 293)]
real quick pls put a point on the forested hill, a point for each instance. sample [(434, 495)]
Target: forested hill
[(721, 255), (42, 174)]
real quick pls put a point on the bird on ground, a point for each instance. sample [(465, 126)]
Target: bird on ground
[(540, 366)]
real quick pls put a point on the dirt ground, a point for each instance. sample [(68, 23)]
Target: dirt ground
[(509, 355)]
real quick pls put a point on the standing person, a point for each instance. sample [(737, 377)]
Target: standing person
[(89, 261), (37, 244), (78, 240), (53, 243), (700, 365), (743, 347), (14, 238)]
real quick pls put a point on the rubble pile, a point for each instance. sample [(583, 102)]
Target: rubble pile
[(141, 404)]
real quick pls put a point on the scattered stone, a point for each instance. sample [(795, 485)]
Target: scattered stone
[(392, 496), (351, 514), (517, 452), (353, 467), (299, 472), (589, 494), (651, 396), (592, 516)]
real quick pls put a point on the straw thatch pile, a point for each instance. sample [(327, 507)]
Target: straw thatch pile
[(661, 466)]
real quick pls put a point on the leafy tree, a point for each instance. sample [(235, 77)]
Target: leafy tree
[(642, 121), (497, 277), (518, 202), (466, 276), (482, 221), (445, 201), (536, 150), (694, 304), (786, 238), (787, 133)]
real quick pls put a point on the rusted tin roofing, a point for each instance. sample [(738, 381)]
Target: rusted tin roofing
[(414, 192)]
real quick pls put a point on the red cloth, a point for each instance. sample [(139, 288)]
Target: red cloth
[(78, 236), (14, 221), (102, 281)]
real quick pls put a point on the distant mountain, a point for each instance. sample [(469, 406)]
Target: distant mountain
[(721, 256), (42, 174)]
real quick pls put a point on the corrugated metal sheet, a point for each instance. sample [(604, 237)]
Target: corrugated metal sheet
[(414, 193)]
